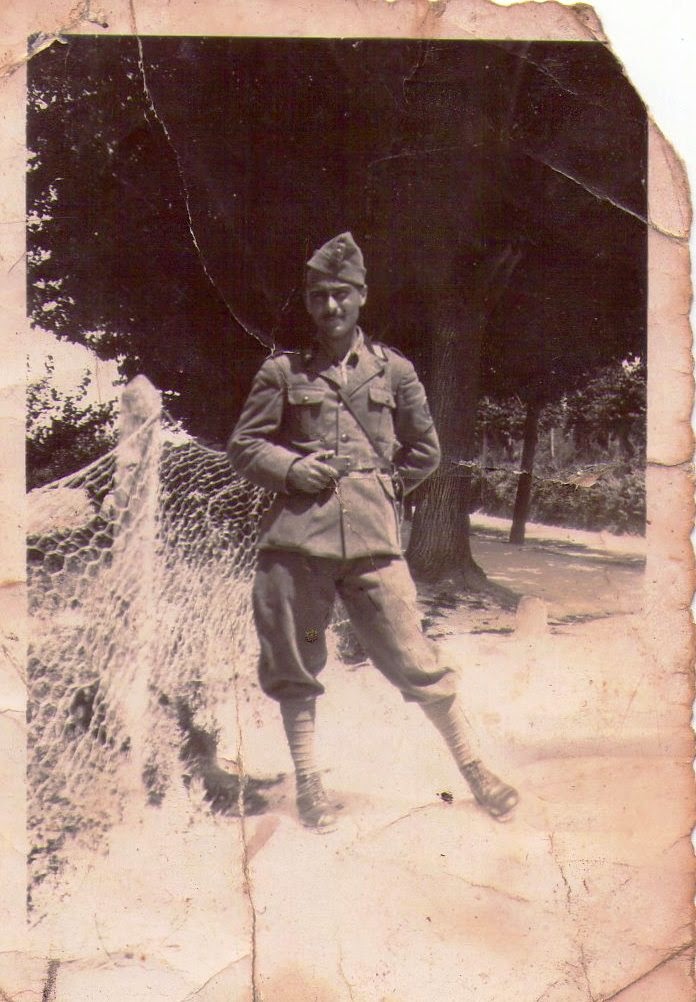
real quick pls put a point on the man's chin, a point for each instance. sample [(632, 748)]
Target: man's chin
[(333, 332)]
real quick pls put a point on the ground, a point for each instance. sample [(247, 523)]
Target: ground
[(418, 895)]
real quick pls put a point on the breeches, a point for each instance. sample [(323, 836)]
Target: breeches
[(293, 597)]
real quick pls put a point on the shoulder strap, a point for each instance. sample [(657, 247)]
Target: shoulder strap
[(384, 351)]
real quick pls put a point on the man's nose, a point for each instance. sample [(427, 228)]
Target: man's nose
[(331, 305)]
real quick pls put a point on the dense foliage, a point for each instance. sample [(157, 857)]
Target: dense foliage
[(64, 432), (614, 502), (168, 229), (177, 185), (589, 469)]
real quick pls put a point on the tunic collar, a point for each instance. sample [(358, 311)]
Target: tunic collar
[(352, 356), (360, 364)]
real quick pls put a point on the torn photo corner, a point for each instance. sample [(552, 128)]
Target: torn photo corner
[(213, 787)]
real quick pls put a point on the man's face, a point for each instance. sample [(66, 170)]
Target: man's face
[(334, 306)]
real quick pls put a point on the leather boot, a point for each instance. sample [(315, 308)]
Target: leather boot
[(495, 796), (313, 806)]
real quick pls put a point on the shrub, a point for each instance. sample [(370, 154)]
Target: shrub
[(616, 502)]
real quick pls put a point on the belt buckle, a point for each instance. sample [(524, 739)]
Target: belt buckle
[(341, 464)]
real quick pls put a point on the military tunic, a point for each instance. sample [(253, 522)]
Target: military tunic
[(345, 539), (294, 409)]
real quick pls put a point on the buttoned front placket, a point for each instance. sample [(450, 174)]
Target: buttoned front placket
[(340, 432), (340, 410), (345, 429)]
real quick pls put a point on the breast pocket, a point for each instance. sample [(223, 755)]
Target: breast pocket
[(381, 396), (304, 411), (382, 405)]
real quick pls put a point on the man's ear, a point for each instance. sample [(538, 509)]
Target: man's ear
[(363, 296)]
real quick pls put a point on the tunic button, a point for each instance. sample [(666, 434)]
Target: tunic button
[(344, 437), (305, 399)]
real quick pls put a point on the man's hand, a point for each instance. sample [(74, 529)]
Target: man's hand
[(310, 475)]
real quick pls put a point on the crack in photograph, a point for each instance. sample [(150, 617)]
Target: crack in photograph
[(336, 450)]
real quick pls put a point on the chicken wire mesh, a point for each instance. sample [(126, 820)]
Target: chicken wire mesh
[(139, 572)]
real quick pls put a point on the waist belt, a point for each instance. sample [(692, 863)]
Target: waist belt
[(343, 467), (361, 471)]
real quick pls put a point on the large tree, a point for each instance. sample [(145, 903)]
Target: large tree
[(497, 189)]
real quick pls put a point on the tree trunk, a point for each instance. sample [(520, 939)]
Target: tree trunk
[(439, 540), (524, 485), (440, 535), (461, 305)]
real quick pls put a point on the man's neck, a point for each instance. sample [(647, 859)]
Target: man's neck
[(337, 350)]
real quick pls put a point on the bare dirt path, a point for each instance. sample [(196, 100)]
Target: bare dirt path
[(578, 573), (415, 896)]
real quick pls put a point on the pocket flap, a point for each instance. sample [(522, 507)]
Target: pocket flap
[(381, 395), (306, 394)]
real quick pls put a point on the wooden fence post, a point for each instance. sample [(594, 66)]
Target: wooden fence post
[(134, 568)]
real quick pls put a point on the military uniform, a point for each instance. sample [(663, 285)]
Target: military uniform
[(335, 439), (346, 539)]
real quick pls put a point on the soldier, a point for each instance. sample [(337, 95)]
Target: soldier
[(340, 432)]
